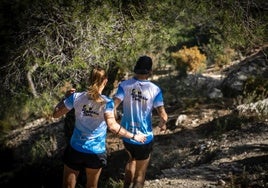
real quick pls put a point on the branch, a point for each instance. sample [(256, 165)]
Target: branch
[(30, 80)]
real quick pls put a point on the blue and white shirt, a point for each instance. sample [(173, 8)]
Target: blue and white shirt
[(139, 98), (89, 135)]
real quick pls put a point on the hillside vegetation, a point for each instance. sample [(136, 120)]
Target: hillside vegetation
[(211, 141), (50, 46), (210, 59)]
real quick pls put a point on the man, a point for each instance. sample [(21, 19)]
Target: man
[(139, 96)]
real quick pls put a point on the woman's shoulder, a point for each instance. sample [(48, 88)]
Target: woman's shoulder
[(81, 93), (106, 98)]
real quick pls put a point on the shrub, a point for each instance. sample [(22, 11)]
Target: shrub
[(189, 59), (255, 88), (225, 57)]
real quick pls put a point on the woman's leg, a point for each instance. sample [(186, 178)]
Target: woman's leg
[(93, 177), (129, 171), (69, 177)]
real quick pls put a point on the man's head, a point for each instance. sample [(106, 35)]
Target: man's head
[(143, 65)]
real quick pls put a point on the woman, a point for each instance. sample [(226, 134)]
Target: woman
[(87, 147)]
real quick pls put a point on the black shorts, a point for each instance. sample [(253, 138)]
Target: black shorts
[(139, 152), (79, 160)]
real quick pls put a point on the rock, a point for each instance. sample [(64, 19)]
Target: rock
[(216, 93), (181, 118), (255, 65), (221, 182), (259, 108)]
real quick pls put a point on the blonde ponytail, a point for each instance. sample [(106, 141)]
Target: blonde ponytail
[(97, 77)]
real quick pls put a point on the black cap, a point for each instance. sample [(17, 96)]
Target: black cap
[(143, 65)]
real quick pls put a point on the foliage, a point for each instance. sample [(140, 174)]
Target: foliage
[(24, 109), (47, 43), (219, 55), (252, 102), (42, 148), (220, 25), (255, 88), (111, 183), (189, 59)]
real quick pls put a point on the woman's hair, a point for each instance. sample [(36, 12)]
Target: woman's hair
[(95, 82)]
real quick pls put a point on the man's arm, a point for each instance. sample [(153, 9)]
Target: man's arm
[(163, 118)]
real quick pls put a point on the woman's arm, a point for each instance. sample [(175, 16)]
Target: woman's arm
[(119, 130), (116, 104), (60, 110)]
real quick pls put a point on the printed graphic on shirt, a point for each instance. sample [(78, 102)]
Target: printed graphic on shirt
[(137, 95), (134, 127), (88, 111)]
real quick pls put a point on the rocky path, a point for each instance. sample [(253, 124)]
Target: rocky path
[(211, 147), (217, 162)]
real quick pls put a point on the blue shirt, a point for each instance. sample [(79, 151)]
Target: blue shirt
[(139, 98), (89, 135)]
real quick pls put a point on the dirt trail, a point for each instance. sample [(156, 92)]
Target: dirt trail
[(210, 148)]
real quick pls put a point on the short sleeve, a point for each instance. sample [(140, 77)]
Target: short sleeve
[(109, 107), (69, 101), (158, 101), (120, 93)]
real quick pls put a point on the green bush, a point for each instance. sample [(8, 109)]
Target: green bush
[(24, 109), (219, 55), (255, 88)]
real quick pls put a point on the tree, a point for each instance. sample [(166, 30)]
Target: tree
[(50, 43)]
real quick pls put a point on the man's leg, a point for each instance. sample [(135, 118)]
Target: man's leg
[(141, 168)]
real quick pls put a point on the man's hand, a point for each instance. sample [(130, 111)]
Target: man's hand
[(163, 118), (162, 126)]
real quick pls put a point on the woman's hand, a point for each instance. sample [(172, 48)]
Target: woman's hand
[(140, 138), (69, 92)]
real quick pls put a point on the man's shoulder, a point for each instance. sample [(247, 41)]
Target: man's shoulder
[(150, 84), (154, 84), (128, 81)]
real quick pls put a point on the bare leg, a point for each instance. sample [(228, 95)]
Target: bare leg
[(93, 177), (129, 171), (141, 168), (69, 177)]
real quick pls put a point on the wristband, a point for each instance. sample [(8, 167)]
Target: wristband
[(119, 130)]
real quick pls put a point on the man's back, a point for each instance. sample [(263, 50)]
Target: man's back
[(139, 98)]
